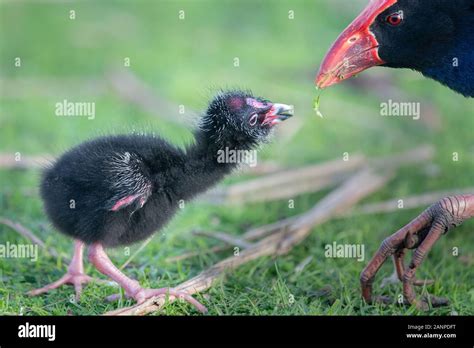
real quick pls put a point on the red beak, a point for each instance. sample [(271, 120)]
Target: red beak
[(278, 113), (355, 50)]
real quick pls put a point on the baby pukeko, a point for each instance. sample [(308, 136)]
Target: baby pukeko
[(436, 38), (118, 190)]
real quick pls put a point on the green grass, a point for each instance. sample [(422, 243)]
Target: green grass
[(184, 61)]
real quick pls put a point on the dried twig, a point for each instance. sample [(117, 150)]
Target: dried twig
[(354, 189), (265, 230), (25, 232), (250, 235)]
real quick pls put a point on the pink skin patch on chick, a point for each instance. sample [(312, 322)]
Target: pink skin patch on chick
[(236, 103), (255, 103), (124, 202)]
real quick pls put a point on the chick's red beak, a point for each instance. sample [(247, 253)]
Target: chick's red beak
[(277, 113), (355, 50)]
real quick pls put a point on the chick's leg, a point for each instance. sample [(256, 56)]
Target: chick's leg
[(75, 274), (101, 261)]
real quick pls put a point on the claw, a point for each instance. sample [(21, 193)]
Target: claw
[(420, 234)]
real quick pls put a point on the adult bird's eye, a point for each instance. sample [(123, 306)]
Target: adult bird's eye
[(253, 120), (395, 18)]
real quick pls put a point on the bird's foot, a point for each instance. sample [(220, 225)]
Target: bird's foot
[(73, 278), (132, 288), (420, 234), (141, 295)]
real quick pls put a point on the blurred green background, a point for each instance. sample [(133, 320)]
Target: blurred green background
[(184, 61)]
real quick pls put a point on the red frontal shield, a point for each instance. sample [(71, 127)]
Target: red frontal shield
[(355, 50)]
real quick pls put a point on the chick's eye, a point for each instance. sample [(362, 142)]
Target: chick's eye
[(253, 120), (395, 18)]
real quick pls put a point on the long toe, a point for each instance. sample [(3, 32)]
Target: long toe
[(61, 281), (75, 279)]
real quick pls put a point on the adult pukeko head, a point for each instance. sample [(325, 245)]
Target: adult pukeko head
[(434, 37)]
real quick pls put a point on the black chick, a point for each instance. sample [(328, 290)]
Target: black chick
[(118, 190)]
